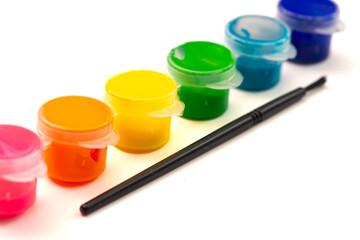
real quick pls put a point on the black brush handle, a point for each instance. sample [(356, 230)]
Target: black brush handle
[(197, 148)]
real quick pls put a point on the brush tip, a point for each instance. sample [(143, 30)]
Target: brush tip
[(321, 81)]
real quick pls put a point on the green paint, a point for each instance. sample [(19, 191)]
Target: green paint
[(203, 103), (204, 72), (201, 58)]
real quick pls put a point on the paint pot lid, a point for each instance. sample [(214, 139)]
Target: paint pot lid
[(202, 64), (21, 152), (307, 15), (77, 119), (260, 36), (143, 92)]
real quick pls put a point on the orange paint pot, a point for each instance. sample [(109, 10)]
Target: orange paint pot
[(76, 131)]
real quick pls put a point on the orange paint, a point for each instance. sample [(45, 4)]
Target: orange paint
[(77, 131), (72, 163)]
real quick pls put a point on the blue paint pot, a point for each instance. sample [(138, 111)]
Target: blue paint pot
[(312, 23), (260, 44)]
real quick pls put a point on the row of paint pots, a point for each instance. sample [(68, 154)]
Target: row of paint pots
[(75, 131), (301, 33)]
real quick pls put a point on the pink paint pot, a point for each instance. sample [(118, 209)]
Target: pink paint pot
[(21, 163)]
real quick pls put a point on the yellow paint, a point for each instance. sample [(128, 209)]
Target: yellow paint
[(144, 102), (141, 84)]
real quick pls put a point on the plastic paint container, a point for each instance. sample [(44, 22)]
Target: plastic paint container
[(261, 44), (143, 102), (76, 131), (312, 22), (21, 163), (204, 72)]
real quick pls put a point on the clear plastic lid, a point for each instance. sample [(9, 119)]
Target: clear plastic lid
[(143, 92), (261, 37), (83, 121), (314, 16), (21, 154), (203, 64)]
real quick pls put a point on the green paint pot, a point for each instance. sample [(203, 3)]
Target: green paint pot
[(204, 73)]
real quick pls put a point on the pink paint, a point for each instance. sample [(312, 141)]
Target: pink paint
[(21, 163), (16, 197)]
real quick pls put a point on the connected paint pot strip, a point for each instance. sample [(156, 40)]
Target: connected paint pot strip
[(143, 102), (21, 163), (204, 72), (312, 23), (76, 131), (261, 44)]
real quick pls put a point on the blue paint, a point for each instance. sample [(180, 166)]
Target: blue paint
[(259, 74), (312, 22), (261, 44), (312, 48)]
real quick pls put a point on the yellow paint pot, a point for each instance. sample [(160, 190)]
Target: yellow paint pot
[(143, 102)]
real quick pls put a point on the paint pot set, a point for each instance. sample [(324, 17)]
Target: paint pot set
[(74, 134), (301, 33), (76, 130), (138, 105)]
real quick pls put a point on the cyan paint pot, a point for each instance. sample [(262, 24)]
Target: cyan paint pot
[(261, 44), (312, 23), (204, 73)]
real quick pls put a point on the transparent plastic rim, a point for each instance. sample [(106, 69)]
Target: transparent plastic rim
[(28, 175), (323, 24), (308, 27), (175, 106), (288, 53), (24, 169), (92, 139), (225, 80), (274, 50)]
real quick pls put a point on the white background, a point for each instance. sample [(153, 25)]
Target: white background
[(295, 176)]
